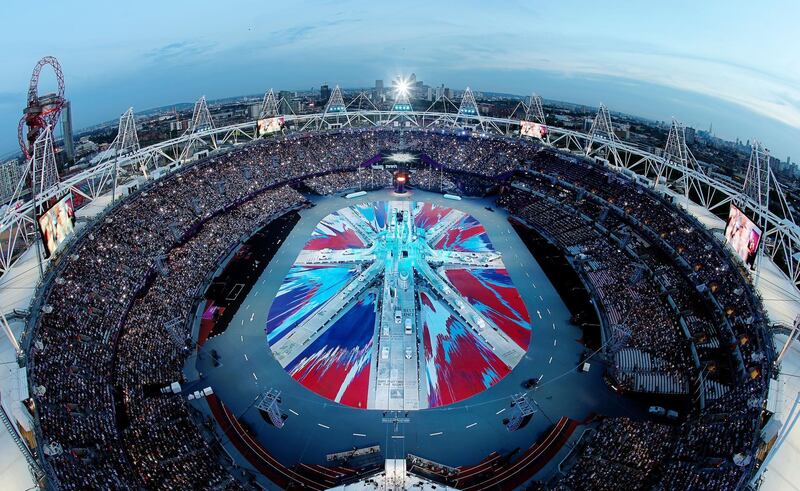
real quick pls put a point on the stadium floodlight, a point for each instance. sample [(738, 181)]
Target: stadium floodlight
[(402, 88)]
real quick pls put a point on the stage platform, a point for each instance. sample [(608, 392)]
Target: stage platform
[(461, 433)]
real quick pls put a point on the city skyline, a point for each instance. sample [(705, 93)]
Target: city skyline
[(656, 62)]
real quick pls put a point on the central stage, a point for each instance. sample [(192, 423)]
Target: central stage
[(398, 305), (458, 433)]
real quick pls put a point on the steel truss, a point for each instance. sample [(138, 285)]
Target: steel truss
[(761, 188), (677, 151), (201, 121), (534, 112), (676, 169), (269, 107)]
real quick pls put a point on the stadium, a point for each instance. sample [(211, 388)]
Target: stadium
[(363, 298)]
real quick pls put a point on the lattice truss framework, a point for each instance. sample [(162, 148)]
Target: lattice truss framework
[(269, 107), (674, 168)]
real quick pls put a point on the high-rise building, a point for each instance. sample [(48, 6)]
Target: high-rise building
[(324, 93), (379, 86), (689, 133), (66, 131), (10, 174)]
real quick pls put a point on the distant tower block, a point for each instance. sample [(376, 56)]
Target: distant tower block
[(66, 131), (269, 404)]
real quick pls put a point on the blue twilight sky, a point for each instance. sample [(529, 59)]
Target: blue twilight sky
[(732, 63)]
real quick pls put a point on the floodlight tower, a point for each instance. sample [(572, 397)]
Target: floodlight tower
[(125, 143), (468, 105), (335, 107), (602, 134), (41, 111), (534, 111), (467, 111), (335, 103), (757, 181), (401, 96), (677, 151), (201, 122), (269, 107), (757, 188)]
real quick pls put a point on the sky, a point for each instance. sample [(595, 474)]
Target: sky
[(734, 64)]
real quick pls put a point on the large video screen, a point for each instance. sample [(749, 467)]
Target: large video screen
[(268, 126), (56, 224), (535, 130), (743, 235)]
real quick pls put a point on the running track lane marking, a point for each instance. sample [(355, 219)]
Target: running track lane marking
[(398, 437), (359, 434), (245, 357), (551, 360), (500, 411), (436, 433), (324, 426), (254, 376), (539, 313), (294, 412), (555, 341), (241, 338), (251, 316), (471, 425)]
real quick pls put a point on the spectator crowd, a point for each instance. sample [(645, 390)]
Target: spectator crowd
[(665, 286), (118, 303)]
